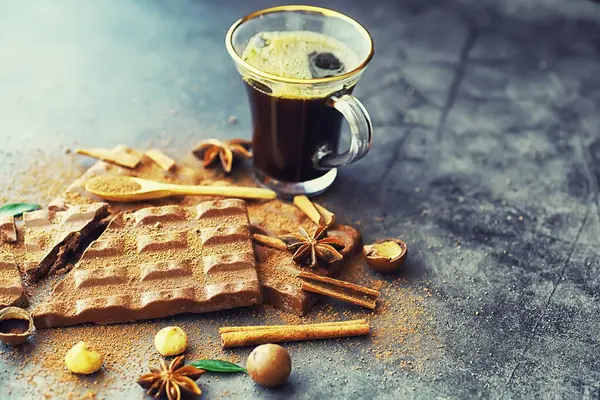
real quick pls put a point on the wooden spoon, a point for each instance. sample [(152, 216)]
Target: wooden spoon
[(127, 189)]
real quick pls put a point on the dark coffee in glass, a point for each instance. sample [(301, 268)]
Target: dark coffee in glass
[(287, 133), (299, 83), (291, 126)]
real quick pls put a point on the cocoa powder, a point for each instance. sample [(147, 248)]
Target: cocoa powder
[(114, 184), (37, 176)]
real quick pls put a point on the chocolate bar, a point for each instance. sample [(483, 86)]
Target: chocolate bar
[(11, 287), (51, 237), (157, 262)]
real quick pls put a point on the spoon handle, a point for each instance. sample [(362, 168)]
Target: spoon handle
[(225, 191)]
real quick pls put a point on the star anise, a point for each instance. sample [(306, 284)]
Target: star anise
[(170, 380), (315, 250), (211, 150)]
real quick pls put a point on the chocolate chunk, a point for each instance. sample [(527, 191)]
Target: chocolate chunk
[(157, 262), (8, 230), (11, 287)]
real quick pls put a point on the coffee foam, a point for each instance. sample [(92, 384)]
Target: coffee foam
[(286, 54)]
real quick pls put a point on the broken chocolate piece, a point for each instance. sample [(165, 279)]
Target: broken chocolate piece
[(8, 230), (165, 162), (158, 262), (51, 237), (127, 159), (11, 287)]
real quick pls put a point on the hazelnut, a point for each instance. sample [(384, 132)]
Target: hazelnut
[(171, 341), (269, 365), (82, 359), (386, 255)]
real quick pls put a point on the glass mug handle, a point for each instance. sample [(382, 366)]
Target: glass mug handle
[(361, 131)]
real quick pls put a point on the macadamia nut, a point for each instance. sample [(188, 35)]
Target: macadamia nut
[(81, 359), (171, 341), (269, 365)]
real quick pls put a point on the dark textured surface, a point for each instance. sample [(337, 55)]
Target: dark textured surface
[(486, 160)]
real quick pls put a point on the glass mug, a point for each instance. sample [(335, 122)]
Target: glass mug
[(297, 121)]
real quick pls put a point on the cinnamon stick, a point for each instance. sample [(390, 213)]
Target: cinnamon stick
[(269, 241), (247, 336), (123, 159), (315, 212), (228, 329), (340, 290), (308, 208), (327, 217), (165, 162)]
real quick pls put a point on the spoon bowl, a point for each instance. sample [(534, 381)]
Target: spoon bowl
[(130, 189)]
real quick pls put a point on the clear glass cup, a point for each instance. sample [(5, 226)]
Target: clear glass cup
[(297, 122)]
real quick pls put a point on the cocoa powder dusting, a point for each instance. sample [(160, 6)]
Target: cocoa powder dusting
[(403, 331), (402, 327), (38, 176)]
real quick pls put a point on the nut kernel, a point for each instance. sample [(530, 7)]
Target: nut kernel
[(171, 341), (386, 255), (82, 359), (269, 365)]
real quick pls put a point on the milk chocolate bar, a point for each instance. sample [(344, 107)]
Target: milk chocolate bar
[(51, 237), (11, 287), (157, 262)]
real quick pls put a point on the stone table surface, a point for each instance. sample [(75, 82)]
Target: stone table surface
[(486, 160)]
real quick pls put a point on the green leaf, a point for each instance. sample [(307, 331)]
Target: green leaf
[(218, 366), (16, 209)]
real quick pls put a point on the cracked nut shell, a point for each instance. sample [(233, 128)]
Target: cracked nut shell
[(10, 332), (386, 255)]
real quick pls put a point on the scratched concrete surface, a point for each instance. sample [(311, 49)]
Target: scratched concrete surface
[(486, 159)]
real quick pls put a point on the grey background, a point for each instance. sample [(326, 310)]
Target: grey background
[(486, 118)]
